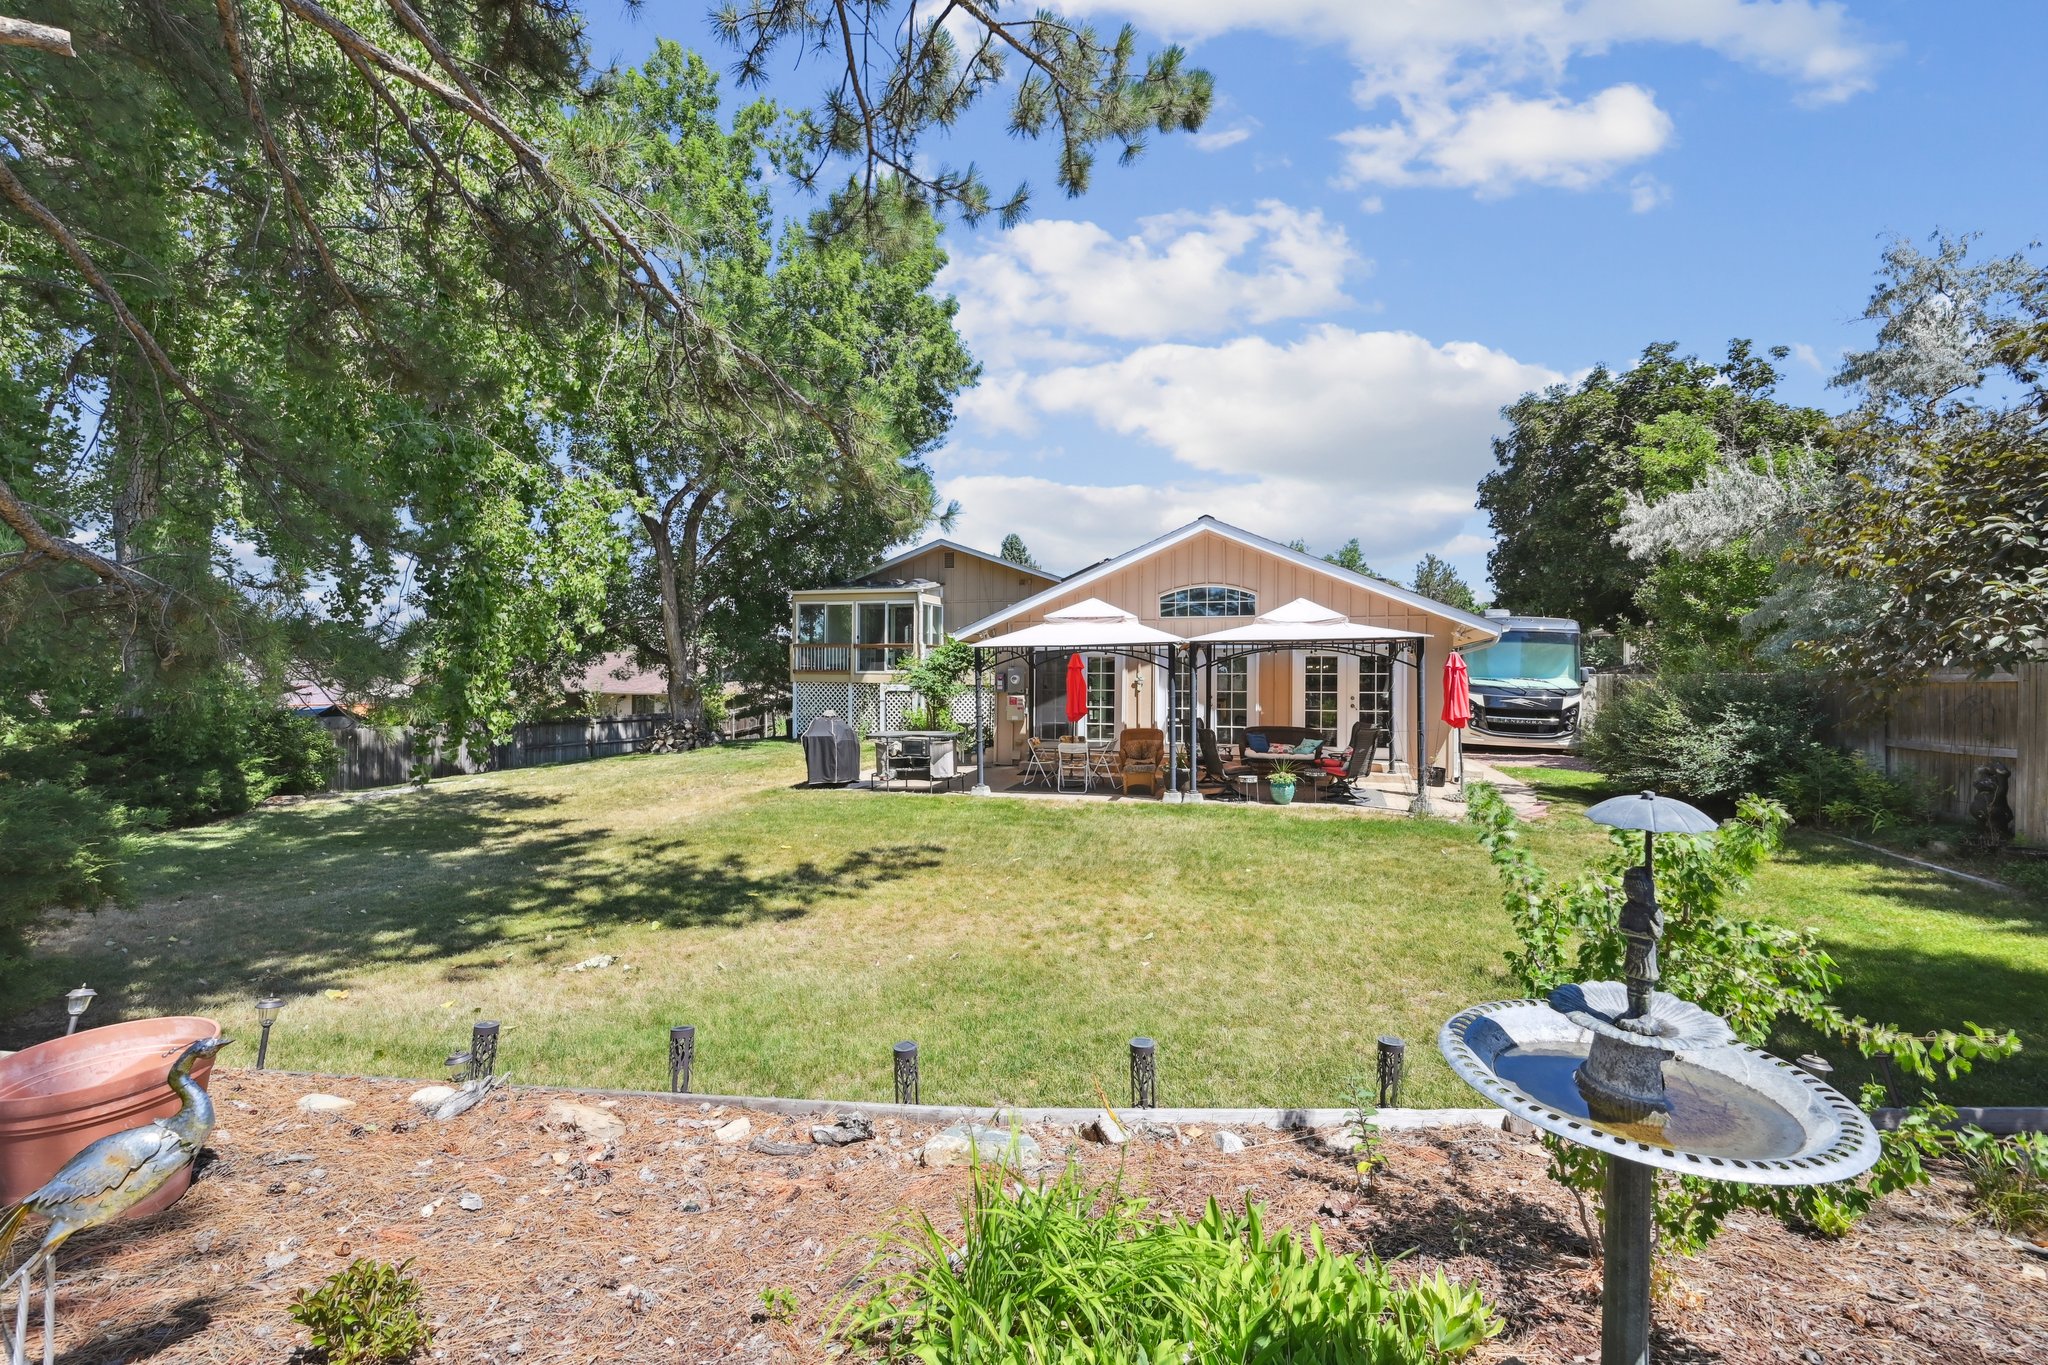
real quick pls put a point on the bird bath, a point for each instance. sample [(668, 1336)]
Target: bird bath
[(1652, 1083)]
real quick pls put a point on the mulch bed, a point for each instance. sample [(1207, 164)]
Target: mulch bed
[(659, 1244)]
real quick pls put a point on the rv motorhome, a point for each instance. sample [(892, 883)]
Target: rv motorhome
[(1525, 685)]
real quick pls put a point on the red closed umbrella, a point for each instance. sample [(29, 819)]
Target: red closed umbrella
[(1457, 692), (1077, 688)]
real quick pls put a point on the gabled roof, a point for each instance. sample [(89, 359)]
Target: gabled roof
[(1465, 621), (954, 545)]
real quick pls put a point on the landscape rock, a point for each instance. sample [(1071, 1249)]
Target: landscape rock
[(1227, 1142), (325, 1104), (848, 1130), (966, 1143), (429, 1097), (739, 1130), (1104, 1128), (599, 1124), (1514, 1125), (593, 964), (474, 1203)]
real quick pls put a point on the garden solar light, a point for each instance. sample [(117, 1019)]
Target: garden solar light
[(267, 1010), (76, 1003)]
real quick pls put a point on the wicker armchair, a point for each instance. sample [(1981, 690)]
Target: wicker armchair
[(1141, 759)]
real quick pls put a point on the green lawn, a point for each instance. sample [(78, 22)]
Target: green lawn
[(1021, 943)]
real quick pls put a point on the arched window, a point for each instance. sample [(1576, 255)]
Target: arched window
[(1212, 600)]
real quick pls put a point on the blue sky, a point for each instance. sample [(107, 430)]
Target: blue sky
[(1404, 213)]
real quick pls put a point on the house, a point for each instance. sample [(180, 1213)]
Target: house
[(851, 641), (617, 686), (1275, 638)]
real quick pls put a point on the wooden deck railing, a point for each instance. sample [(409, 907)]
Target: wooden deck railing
[(840, 658), (821, 658)]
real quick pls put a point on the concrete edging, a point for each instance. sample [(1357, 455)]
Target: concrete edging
[(1285, 1120), (2002, 1119)]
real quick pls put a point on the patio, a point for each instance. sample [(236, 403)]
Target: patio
[(1096, 702)]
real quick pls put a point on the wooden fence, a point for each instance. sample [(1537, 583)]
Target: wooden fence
[(384, 756), (1941, 729), (1948, 725)]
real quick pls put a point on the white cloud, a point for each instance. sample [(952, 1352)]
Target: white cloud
[(1044, 285), (1069, 526), (1807, 356), (1478, 85), (1647, 192), (1503, 141), (1469, 47), (1221, 138), (1387, 409), (1379, 435)]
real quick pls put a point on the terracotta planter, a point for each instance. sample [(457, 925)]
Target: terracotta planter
[(56, 1098)]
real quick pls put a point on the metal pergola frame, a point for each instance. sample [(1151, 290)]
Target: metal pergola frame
[(1359, 649), (1203, 658)]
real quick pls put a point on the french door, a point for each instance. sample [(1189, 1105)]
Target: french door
[(1333, 691)]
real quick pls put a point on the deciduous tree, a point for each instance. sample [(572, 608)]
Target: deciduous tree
[(1573, 455)]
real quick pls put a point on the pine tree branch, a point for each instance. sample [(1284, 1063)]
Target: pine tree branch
[(613, 238), (17, 517), (42, 37), (231, 38), (18, 195)]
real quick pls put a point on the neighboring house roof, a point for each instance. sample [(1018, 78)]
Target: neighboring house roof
[(954, 545), (318, 699), (616, 675), (1464, 620)]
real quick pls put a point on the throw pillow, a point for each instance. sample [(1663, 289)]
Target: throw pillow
[(1257, 742), (1308, 746)]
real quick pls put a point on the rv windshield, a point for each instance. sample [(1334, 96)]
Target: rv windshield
[(1527, 656)]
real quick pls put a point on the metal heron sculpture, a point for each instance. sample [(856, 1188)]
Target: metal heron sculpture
[(103, 1182)]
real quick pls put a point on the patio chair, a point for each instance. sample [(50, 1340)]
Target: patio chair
[(1141, 759), (1212, 765), (1073, 764), (1105, 761), (1038, 760), (1373, 738), (1366, 740)]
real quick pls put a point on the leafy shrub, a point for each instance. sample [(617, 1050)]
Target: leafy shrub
[(1839, 789), (2010, 1177), (292, 755), (1709, 736), (367, 1314), (58, 847), (178, 767), (940, 677), (711, 701), (1753, 974), (1085, 1276)]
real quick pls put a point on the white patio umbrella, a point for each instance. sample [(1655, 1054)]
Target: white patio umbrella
[(1086, 625), (1303, 622)]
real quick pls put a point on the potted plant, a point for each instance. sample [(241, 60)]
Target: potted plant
[(1280, 780)]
